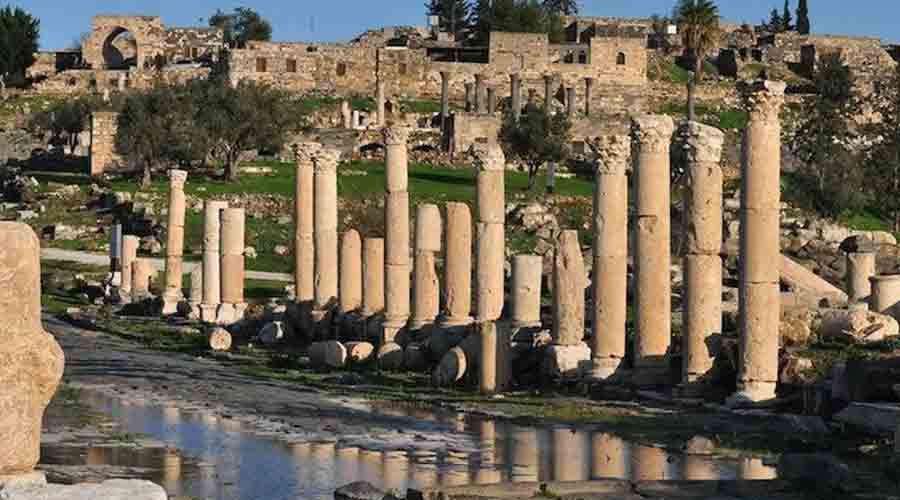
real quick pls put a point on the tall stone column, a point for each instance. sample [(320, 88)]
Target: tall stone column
[(426, 286), (487, 376), (233, 303), (651, 138), (304, 241), (373, 285), (527, 272), (457, 267), (346, 114), (702, 296), (886, 294), (379, 101), (115, 251), (212, 284), (445, 98), (860, 269), (568, 290), (479, 94), (570, 102), (548, 93), (610, 254), (325, 235), (490, 167), (130, 246), (470, 97), (491, 100), (32, 360), (350, 287), (196, 294), (396, 243), (175, 242), (759, 292), (515, 83), (588, 94), (141, 274)]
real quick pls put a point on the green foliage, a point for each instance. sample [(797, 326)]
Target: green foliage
[(64, 120), (522, 16), (454, 15), (241, 26), (722, 118), (698, 23), (786, 18), (803, 26), (19, 36), (536, 138), (882, 160), (562, 7), (309, 104)]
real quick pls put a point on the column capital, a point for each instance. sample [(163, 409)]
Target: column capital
[(326, 160), (479, 77), (445, 75), (613, 154), (702, 143), (395, 136), (549, 77), (763, 99), (589, 80), (652, 133), (177, 178), (488, 157), (515, 76), (304, 152)]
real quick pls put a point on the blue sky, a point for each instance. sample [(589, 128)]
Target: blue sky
[(334, 20)]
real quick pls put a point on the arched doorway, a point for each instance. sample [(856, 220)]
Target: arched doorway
[(120, 49)]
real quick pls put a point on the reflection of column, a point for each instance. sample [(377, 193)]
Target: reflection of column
[(651, 137), (491, 216), (212, 285), (524, 455), (350, 287), (396, 243), (175, 242), (860, 268), (702, 295), (371, 466), (171, 472), (395, 470), (457, 267), (759, 291), (569, 455), (610, 253), (426, 286), (456, 469), (700, 468), (325, 234), (609, 460), (304, 223), (648, 463)]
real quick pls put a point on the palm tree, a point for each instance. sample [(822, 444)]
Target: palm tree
[(698, 23)]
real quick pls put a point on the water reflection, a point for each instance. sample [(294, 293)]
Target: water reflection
[(209, 457)]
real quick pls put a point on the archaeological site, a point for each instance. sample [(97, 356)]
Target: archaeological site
[(529, 250)]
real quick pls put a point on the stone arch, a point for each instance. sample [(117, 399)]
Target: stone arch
[(120, 49), (620, 59)]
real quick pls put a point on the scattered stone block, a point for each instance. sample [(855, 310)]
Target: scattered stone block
[(451, 369), (415, 357), (115, 489), (876, 418), (328, 354), (359, 490), (219, 339), (359, 352), (390, 356), (567, 361)]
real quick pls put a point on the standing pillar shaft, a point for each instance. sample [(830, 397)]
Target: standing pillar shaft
[(426, 288), (568, 290), (588, 94), (516, 95), (175, 242), (759, 293), (470, 97), (325, 229), (445, 98), (212, 227), (233, 221), (130, 246), (458, 266), (491, 100), (396, 243), (886, 295), (527, 271), (141, 274), (373, 270), (304, 222), (651, 137), (610, 226), (479, 94), (350, 287), (115, 249), (548, 92), (860, 269), (491, 217), (570, 102), (379, 94), (702, 296)]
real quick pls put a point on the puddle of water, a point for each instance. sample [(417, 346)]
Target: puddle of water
[(219, 459)]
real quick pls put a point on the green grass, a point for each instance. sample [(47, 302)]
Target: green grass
[(722, 118), (420, 106), (668, 71), (863, 221), (311, 104)]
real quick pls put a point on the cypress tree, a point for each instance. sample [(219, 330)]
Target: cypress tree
[(803, 18), (786, 17)]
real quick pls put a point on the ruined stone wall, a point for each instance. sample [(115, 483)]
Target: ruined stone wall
[(44, 65), (148, 31), (467, 129), (75, 82), (104, 126), (193, 44)]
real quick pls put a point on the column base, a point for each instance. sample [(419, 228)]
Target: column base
[(322, 323), (209, 312), (193, 310), (228, 314), (527, 325), (453, 326), (170, 304), (751, 392), (605, 369), (650, 373), (391, 328), (693, 387)]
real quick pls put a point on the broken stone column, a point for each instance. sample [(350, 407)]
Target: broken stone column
[(32, 360), (196, 293), (860, 270), (526, 291), (610, 254), (445, 98), (350, 287), (570, 102), (457, 267), (886, 295), (304, 240), (479, 94), (426, 287), (491, 239), (379, 101), (702, 295), (233, 304), (588, 93), (568, 290), (212, 284), (325, 235), (175, 242), (515, 83), (346, 115), (130, 246), (491, 100), (470, 97), (548, 93), (396, 243), (373, 277), (487, 376), (760, 251), (651, 137), (141, 274), (355, 118)]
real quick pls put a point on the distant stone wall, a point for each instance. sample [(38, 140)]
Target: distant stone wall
[(192, 44), (467, 129), (149, 36), (104, 126), (76, 82)]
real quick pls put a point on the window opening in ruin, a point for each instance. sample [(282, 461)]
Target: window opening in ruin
[(187, 52), (195, 52), (582, 57), (71, 82), (312, 49), (403, 69), (291, 65), (620, 59), (569, 58), (120, 49), (261, 64), (341, 69)]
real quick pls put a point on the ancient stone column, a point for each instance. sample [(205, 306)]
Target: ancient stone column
[(470, 97), (491, 100), (355, 118), (130, 246), (608, 456), (886, 294), (233, 304), (515, 83), (426, 287), (396, 243), (491, 239), (32, 360), (373, 277), (760, 252), (141, 274), (487, 376), (610, 254), (212, 284), (350, 287), (457, 267), (445, 98), (651, 137), (526, 291), (304, 240), (479, 94), (175, 242), (568, 290), (346, 115), (115, 251), (379, 98), (588, 93), (548, 93), (570, 102), (702, 295), (196, 293), (325, 235), (860, 269)]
